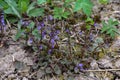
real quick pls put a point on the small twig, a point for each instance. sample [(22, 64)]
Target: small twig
[(54, 77), (78, 24), (116, 12), (32, 74), (102, 70)]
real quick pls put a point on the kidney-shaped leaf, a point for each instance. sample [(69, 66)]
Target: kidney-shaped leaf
[(36, 12)]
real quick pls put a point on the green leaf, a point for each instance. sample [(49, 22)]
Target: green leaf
[(60, 13), (103, 1), (23, 5), (48, 70), (19, 34), (89, 21), (31, 25), (57, 69), (112, 22), (57, 12), (109, 31), (3, 5), (85, 5), (35, 32), (105, 27), (9, 11), (65, 14), (41, 1), (88, 27), (36, 12), (30, 7), (13, 6), (110, 28), (68, 1)]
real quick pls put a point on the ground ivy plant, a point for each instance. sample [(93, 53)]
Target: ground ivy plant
[(38, 22)]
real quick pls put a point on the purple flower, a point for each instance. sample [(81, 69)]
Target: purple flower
[(3, 22), (91, 36), (24, 23), (48, 28), (51, 34), (95, 24), (30, 41), (2, 19), (42, 24), (76, 68), (50, 17), (49, 51), (52, 41), (80, 33), (40, 47), (58, 31), (43, 34), (80, 66), (39, 27), (67, 30), (56, 37)]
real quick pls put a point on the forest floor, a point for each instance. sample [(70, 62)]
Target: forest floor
[(16, 63)]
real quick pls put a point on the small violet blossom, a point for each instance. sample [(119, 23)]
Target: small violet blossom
[(58, 31), (24, 23), (30, 41), (91, 36), (49, 51), (95, 24), (67, 30), (80, 66), (39, 27), (50, 17), (40, 47), (56, 37), (42, 24), (52, 41), (2, 21), (43, 34), (80, 33)]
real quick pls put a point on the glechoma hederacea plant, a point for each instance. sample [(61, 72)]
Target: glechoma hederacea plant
[(24, 8), (37, 23)]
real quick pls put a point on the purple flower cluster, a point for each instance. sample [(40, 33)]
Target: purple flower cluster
[(2, 21), (24, 23), (67, 31), (40, 25), (43, 34), (80, 66), (54, 37), (91, 37), (40, 47), (80, 33), (45, 31)]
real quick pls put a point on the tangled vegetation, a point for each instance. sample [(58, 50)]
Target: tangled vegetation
[(62, 32)]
